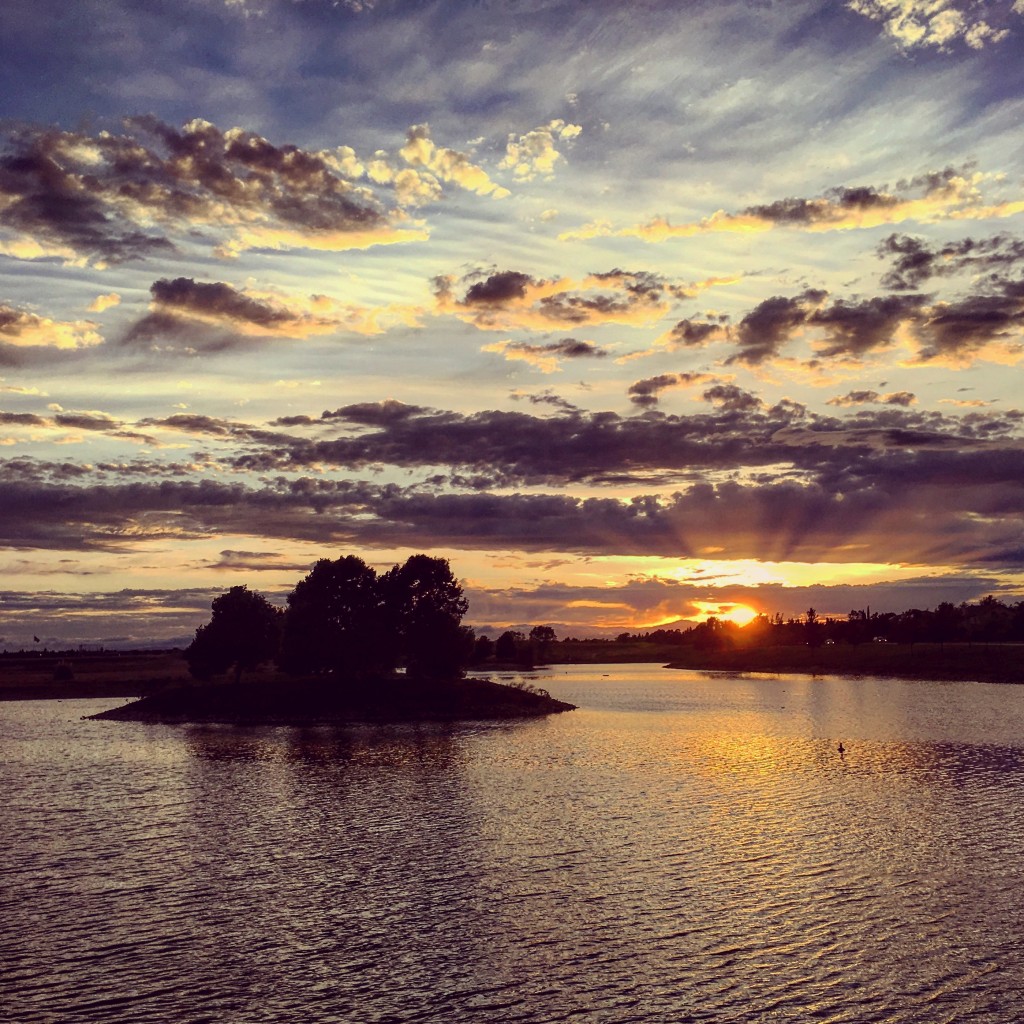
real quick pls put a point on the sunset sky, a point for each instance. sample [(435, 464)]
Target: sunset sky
[(636, 312)]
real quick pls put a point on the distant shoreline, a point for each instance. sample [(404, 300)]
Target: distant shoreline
[(982, 663)]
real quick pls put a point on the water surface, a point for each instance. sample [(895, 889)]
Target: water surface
[(682, 848)]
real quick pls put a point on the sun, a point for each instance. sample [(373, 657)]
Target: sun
[(741, 614)]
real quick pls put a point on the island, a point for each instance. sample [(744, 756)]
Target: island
[(316, 702)]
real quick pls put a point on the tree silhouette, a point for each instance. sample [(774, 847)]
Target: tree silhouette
[(508, 646), (424, 607), (244, 631), (336, 622)]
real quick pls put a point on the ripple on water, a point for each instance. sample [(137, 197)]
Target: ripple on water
[(699, 854)]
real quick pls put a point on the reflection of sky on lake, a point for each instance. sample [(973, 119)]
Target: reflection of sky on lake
[(683, 847)]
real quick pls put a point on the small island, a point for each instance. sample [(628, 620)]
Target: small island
[(351, 646), (312, 702)]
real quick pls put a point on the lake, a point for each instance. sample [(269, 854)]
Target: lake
[(682, 848)]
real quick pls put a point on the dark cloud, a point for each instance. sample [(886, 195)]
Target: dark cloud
[(900, 398), (959, 329), (22, 419), (763, 331), (546, 356), (162, 333), (731, 398), (14, 321), (962, 328), (194, 423), (516, 449), (117, 197), (695, 333), (85, 421), (854, 328), (836, 201), (646, 392), (510, 299), (376, 414), (256, 561), (217, 300), (49, 196), (850, 205), (573, 348), (914, 261), (886, 485), (498, 289), (547, 397)]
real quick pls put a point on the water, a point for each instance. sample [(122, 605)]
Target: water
[(682, 848)]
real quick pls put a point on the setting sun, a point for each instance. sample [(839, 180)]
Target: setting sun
[(741, 614), (726, 611)]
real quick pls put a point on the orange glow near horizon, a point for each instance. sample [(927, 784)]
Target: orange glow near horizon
[(726, 611), (741, 614)]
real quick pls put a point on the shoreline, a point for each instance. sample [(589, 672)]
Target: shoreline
[(981, 663), (142, 673), (312, 702)]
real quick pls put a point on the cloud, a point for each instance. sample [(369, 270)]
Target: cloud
[(511, 300), (107, 198), (104, 302), (951, 194), (694, 333), (984, 325), (888, 484), (978, 326), (546, 357), (647, 392), (545, 397), (933, 23), (23, 329), (766, 328), (22, 419), (256, 561), (731, 398), (191, 316), (444, 164), (855, 328), (916, 262), (901, 398), (535, 152), (513, 449)]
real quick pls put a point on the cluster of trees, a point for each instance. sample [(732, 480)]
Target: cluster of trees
[(343, 619), (514, 647), (988, 621)]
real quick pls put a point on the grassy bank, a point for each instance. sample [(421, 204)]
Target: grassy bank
[(992, 663), (66, 675)]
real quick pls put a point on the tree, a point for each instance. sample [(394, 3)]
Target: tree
[(508, 645), (424, 605), (244, 631), (336, 622), (543, 635), (812, 628), (483, 649)]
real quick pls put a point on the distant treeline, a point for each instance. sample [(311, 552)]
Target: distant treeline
[(988, 621)]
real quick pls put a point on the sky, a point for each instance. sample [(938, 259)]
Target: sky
[(636, 312)]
